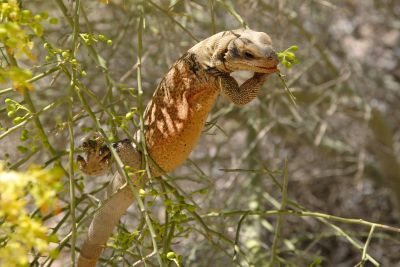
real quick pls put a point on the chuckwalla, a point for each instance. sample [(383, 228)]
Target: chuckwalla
[(175, 117)]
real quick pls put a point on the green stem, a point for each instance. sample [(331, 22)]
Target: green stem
[(167, 236), (212, 15), (30, 117), (236, 244), (95, 56), (145, 155), (302, 214), (364, 253), (173, 19), (278, 228), (71, 133), (287, 90), (72, 188), (28, 100)]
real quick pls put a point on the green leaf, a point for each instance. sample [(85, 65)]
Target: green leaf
[(37, 29), (53, 21), (44, 15), (171, 255), (290, 55), (22, 149), (18, 120)]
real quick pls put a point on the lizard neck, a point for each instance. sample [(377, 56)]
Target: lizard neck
[(210, 52), (176, 114)]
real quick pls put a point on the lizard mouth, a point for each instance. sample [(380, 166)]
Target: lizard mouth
[(269, 69)]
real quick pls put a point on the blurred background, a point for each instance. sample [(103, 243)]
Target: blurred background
[(341, 141)]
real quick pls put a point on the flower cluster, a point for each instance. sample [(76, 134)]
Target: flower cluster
[(287, 57), (16, 30), (20, 193)]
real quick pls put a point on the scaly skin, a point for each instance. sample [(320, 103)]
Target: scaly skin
[(175, 117)]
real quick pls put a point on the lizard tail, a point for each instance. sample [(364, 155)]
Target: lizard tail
[(102, 225)]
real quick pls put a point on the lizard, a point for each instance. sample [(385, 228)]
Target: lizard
[(175, 116)]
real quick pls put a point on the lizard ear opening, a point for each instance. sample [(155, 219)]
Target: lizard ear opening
[(221, 56)]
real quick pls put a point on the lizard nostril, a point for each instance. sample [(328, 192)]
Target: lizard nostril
[(270, 54), (273, 55)]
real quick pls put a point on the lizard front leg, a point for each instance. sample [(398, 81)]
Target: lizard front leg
[(243, 94)]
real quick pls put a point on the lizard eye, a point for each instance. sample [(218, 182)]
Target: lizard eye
[(248, 55)]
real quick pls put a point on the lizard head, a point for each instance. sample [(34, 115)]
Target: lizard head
[(249, 50), (241, 49)]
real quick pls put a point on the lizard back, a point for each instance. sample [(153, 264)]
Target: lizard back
[(176, 115)]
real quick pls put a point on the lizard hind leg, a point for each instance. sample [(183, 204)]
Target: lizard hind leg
[(120, 197), (98, 157), (130, 156)]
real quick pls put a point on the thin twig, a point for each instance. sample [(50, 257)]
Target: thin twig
[(145, 155), (364, 253), (287, 90), (173, 19), (71, 133), (303, 214), (278, 228), (236, 244)]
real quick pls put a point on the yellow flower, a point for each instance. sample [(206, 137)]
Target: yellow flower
[(22, 233)]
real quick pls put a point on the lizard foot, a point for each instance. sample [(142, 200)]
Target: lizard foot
[(98, 157)]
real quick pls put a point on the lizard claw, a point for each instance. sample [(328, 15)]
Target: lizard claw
[(98, 157)]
